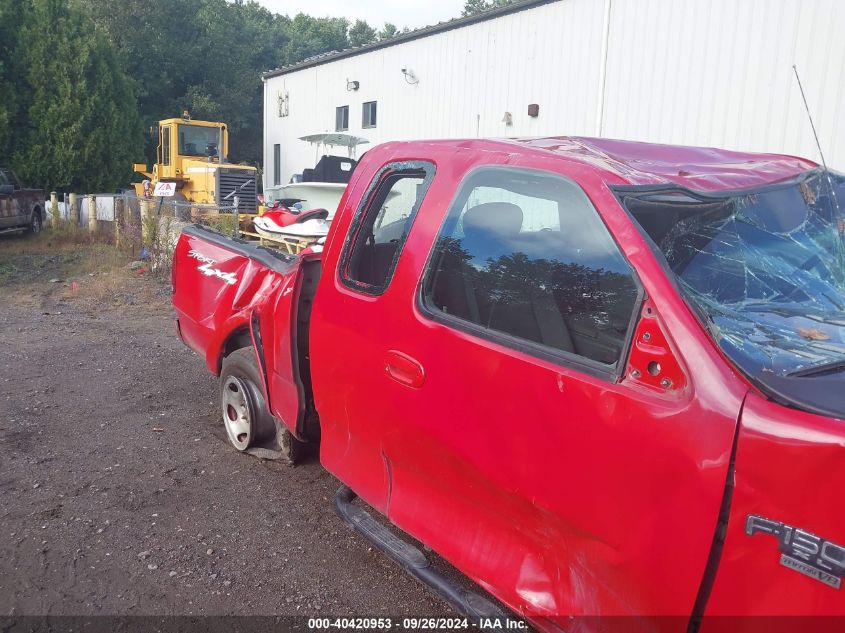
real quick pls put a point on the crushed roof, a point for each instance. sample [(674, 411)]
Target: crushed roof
[(705, 169)]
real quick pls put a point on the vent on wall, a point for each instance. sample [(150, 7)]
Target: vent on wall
[(282, 100)]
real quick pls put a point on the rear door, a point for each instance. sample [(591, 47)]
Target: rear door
[(353, 316)]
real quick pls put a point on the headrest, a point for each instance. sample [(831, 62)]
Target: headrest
[(497, 218)]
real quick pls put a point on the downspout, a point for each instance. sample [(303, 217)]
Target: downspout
[(605, 43), (264, 138)]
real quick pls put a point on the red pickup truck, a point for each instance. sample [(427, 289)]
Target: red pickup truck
[(600, 378)]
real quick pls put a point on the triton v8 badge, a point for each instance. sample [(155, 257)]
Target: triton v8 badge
[(803, 551)]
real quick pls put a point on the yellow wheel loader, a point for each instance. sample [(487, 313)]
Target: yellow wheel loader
[(192, 155)]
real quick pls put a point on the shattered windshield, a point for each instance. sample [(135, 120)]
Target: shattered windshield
[(765, 267)]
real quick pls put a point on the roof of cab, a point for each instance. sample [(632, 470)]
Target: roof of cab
[(651, 164)]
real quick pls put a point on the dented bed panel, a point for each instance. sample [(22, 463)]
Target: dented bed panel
[(218, 284)]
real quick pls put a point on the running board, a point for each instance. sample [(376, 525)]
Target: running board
[(413, 560)]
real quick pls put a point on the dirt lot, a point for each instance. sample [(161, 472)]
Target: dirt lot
[(118, 491)]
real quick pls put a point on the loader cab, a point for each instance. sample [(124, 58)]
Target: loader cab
[(182, 141)]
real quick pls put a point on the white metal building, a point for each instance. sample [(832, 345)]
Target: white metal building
[(697, 72)]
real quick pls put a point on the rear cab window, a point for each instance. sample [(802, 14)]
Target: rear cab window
[(381, 225), (523, 258)]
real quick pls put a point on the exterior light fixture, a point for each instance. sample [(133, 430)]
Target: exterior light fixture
[(410, 76)]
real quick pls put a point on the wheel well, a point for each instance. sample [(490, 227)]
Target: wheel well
[(236, 340)]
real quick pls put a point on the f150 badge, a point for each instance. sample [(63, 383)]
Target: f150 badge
[(803, 551), (208, 271)]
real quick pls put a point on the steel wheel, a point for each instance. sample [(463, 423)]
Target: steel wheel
[(246, 416), (238, 413)]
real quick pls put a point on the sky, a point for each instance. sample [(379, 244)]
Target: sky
[(402, 13)]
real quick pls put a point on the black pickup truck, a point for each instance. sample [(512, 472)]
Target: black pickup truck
[(20, 208)]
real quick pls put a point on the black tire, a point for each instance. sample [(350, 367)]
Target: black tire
[(36, 222), (246, 417)]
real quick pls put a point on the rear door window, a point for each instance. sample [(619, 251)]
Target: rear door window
[(382, 223), (523, 257)]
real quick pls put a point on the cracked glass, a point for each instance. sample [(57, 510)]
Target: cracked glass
[(766, 268)]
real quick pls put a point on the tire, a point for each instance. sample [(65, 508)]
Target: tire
[(246, 417), (36, 223)]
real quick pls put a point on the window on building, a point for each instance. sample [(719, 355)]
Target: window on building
[(524, 254), (277, 164), (368, 114), (382, 225), (341, 118)]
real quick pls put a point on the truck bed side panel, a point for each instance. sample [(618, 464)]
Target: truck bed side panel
[(223, 286)]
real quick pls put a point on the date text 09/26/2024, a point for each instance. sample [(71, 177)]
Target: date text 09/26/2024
[(417, 624)]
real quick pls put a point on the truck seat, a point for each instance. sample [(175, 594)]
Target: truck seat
[(486, 278)]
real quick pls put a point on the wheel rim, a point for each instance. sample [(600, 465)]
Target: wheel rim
[(237, 415), (36, 223)]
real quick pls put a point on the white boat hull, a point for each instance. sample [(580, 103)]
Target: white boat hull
[(308, 231), (314, 195)]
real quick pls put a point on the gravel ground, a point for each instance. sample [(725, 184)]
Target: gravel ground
[(118, 491)]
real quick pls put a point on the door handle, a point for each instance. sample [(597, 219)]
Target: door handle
[(404, 369)]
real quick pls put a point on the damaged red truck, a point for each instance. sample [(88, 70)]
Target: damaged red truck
[(600, 378)]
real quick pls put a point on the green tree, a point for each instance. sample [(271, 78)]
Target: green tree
[(361, 34), (83, 130), (473, 7), (387, 31), (13, 100), (311, 36)]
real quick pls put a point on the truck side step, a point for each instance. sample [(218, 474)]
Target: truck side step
[(413, 560)]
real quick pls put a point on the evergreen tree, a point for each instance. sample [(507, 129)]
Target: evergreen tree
[(13, 99), (83, 131)]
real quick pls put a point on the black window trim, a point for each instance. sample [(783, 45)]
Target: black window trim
[(570, 360), (364, 125), (277, 164), (338, 110), (409, 166)]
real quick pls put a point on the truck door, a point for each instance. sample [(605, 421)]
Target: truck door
[(352, 310), (7, 196), (489, 411)]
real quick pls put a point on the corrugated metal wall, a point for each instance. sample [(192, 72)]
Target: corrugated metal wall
[(703, 72)]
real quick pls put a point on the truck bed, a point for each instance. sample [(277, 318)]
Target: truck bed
[(229, 293)]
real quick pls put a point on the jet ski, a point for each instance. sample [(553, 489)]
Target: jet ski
[(291, 224)]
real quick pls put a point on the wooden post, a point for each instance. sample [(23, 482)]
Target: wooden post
[(118, 218), (92, 213), (147, 221), (54, 210), (73, 211)]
